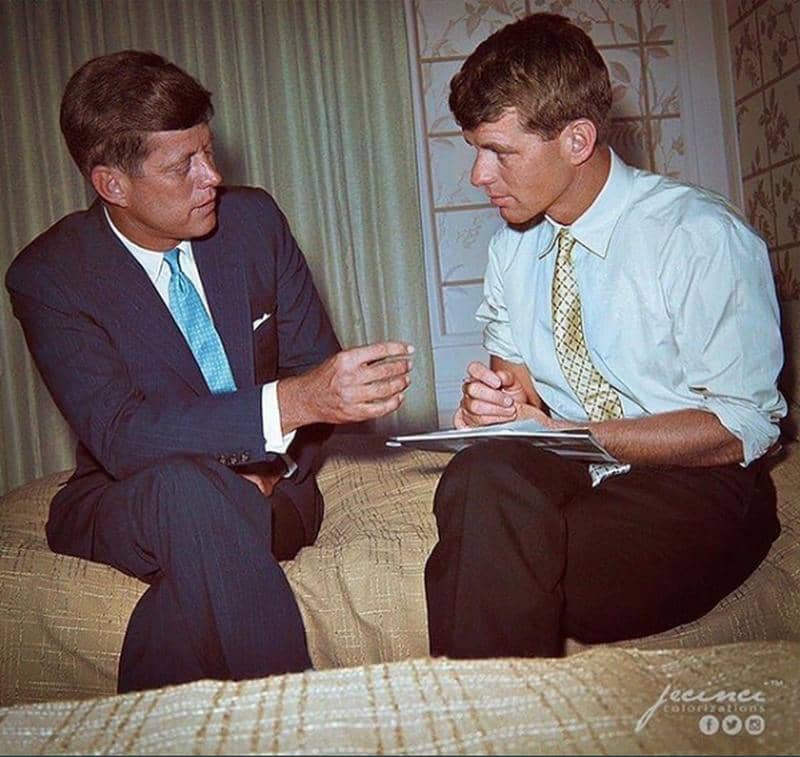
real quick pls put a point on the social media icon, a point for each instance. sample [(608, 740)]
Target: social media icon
[(731, 724), (708, 725), (755, 725)]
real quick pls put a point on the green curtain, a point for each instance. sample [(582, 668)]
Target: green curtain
[(312, 102)]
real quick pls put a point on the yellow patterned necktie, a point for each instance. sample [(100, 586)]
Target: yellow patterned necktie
[(598, 397)]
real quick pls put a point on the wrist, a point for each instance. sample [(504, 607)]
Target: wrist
[(293, 404), (526, 412)]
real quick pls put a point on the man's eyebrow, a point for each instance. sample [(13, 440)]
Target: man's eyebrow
[(177, 159), (499, 147), (182, 157), (493, 146)]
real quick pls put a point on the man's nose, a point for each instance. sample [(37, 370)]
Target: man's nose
[(480, 175), (211, 177)]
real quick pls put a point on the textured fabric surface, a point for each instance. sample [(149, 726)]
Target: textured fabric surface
[(360, 586), (590, 703)]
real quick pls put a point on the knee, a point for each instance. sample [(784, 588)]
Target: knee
[(476, 485), (457, 485), (484, 462), (487, 473), (190, 487), (186, 470)]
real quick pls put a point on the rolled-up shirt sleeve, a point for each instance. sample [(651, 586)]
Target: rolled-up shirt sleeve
[(497, 336), (719, 287)]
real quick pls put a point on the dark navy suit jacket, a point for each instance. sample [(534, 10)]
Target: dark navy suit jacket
[(121, 372)]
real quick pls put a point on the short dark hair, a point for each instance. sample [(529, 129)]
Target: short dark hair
[(111, 102), (544, 66)]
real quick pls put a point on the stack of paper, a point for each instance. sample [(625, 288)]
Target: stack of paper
[(574, 443)]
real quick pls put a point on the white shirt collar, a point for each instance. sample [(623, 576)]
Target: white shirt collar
[(595, 225), (151, 260)]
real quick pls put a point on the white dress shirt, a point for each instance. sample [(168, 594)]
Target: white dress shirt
[(678, 303), (159, 274)]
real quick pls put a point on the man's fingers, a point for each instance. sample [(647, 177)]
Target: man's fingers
[(379, 408), (484, 374), (486, 410), (380, 390), (479, 391), (465, 419), (507, 379), (387, 369), (379, 351), (352, 396)]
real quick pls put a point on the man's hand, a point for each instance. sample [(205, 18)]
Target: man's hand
[(264, 481), (488, 397), (264, 474), (352, 385), (531, 413)]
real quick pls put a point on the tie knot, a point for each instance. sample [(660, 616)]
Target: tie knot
[(565, 242), (171, 259)]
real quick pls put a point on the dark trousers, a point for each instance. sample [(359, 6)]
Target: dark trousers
[(218, 604), (530, 554)]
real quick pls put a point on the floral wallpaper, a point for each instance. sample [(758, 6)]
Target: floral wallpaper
[(765, 53)]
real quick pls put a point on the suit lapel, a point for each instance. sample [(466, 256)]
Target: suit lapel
[(221, 264), (128, 297)]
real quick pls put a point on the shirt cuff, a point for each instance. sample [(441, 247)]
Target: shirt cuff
[(756, 432), (274, 438), (502, 348)]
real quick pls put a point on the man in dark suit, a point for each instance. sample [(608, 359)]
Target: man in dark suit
[(177, 327)]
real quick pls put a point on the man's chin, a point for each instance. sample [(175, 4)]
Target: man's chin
[(515, 217), (205, 226)]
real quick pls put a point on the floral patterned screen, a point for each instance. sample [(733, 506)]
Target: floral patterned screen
[(765, 52)]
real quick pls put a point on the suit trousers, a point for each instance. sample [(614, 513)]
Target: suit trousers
[(530, 554), (218, 604)]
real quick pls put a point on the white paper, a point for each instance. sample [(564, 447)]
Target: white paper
[(575, 443)]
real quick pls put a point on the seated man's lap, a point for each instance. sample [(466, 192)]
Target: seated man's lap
[(658, 547), (640, 553), (130, 522), (178, 504), (199, 533)]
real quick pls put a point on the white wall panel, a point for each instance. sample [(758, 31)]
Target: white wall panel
[(463, 237)]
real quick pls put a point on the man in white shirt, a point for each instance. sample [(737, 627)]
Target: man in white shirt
[(619, 300), (177, 327)]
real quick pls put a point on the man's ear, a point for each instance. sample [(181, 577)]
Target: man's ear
[(112, 185), (578, 140)]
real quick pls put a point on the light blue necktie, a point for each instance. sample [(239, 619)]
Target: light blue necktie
[(198, 329)]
